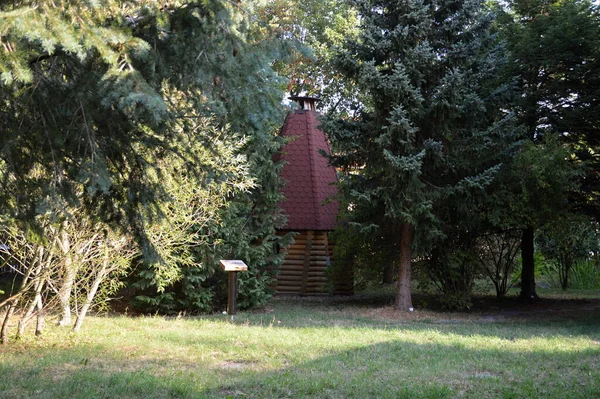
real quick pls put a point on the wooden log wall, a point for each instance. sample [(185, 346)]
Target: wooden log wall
[(304, 269)]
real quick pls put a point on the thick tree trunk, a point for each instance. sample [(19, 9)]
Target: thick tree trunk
[(403, 297), (528, 266)]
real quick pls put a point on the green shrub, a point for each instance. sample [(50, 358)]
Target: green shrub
[(367, 251), (585, 275), (451, 269)]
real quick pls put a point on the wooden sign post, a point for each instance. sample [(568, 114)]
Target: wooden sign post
[(232, 267)]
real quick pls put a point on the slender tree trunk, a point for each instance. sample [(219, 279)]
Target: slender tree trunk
[(4, 330), (565, 278), (528, 267), (28, 274), (34, 305), (25, 318), (39, 326), (403, 297), (91, 293), (69, 273), (499, 290)]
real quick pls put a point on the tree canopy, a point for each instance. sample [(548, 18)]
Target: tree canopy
[(425, 137), (156, 121), (138, 140)]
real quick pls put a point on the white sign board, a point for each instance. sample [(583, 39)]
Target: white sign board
[(233, 265)]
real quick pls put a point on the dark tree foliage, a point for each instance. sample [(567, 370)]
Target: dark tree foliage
[(553, 50), (99, 97), (426, 142)]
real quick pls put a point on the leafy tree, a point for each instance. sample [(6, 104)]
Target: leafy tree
[(424, 143), (531, 189), (316, 27), (553, 49), (566, 241)]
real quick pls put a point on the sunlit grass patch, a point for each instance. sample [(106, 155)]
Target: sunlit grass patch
[(292, 350)]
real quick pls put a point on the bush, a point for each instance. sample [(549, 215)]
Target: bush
[(451, 270), (567, 241), (367, 251), (497, 255), (585, 275)]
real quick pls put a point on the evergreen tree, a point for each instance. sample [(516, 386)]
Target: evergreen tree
[(233, 82), (425, 142), (99, 99)]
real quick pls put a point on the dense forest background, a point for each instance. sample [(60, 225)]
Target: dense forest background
[(137, 142)]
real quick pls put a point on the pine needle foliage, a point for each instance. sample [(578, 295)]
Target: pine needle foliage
[(427, 140), (128, 111), (554, 49)]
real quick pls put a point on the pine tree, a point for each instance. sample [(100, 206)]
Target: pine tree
[(425, 142)]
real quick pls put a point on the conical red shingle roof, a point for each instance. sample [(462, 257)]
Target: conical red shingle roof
[(309, 180)]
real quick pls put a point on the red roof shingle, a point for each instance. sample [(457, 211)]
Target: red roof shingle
[(310, 183)]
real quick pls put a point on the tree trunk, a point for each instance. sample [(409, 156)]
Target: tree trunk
[(69, 273), (91, 294), (565, 278), (4, 330), (35, 304), (25, 318), (528, 266), (39, 326), (403, 297), (28, 274), (388, 273)]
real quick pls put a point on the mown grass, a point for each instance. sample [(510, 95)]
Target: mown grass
[(311, 349)]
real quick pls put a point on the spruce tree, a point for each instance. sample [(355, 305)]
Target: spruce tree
[(425, 142)]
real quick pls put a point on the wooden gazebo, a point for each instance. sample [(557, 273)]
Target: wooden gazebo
[(309, 204)]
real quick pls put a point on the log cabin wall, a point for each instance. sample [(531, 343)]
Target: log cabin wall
[(305, 267), (310, 205)]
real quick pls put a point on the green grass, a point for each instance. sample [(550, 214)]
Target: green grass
[(311, 349)]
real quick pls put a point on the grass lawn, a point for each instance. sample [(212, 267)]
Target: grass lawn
[(315, 348)]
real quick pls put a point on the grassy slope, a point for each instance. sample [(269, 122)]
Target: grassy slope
[(311, 350)]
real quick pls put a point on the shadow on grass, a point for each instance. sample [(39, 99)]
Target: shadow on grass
[(421, 358), (585, 323), (407, 370), (394, 369), (436, 302)]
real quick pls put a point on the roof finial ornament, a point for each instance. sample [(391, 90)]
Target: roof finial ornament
[(306, 102)]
